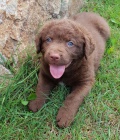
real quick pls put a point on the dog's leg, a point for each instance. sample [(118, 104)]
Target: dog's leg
[(71, 104), (44, 87)]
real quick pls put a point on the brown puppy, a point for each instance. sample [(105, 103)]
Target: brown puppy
[(71, 52)]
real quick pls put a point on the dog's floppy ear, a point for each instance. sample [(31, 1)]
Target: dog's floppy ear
[(38, 43), (89, 45)]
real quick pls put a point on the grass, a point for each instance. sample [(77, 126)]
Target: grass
[(98, 117)]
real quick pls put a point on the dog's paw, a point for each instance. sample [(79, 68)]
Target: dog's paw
[(64, 118), (35, 105)]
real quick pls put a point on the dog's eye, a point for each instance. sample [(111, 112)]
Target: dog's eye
[(48, 40), (70, 44)]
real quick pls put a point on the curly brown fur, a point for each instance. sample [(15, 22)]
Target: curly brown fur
[(73, 63)]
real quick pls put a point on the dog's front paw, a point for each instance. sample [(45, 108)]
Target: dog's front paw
[(35, 105), (65, 117)]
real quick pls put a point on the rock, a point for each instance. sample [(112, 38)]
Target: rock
[(4, 71), (2, 59), (74, 6), (11, 8), (5, 75)]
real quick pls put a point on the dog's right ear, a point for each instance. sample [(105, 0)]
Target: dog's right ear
[(38, 42), (89, 45)]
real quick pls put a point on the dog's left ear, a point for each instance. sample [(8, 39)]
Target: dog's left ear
[(89, 45), (38, 42)]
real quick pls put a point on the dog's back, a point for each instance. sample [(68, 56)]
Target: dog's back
[(93, 22)]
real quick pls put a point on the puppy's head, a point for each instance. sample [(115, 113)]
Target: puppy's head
[(62, 42)]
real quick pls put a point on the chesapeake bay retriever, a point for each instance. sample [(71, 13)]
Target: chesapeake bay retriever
[(71, 52)]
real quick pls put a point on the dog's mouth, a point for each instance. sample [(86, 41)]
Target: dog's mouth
[(57, 71)]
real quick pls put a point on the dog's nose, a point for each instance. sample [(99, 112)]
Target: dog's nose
[(54, 56)]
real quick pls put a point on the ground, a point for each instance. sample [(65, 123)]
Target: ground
[(98, 117)]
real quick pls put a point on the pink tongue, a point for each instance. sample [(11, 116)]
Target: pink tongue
[(57, 71)]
